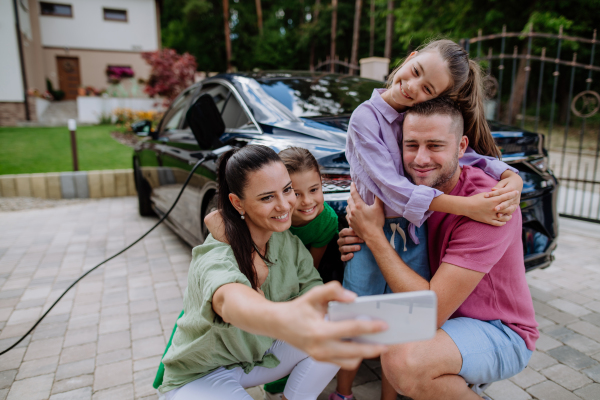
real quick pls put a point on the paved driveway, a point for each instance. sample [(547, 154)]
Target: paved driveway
[(105, 338)]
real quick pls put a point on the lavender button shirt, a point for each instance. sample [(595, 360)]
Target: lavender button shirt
[(373, 149)]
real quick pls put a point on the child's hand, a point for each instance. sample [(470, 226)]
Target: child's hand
[(512, 183), (364, 219), (348, 243), (483, 208), (214, 223)]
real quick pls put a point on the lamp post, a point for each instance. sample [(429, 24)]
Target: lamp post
[(72, 124)]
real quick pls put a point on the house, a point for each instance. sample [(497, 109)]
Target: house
[(71, 43)]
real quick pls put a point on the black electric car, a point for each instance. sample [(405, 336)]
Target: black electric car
[(306, 109)]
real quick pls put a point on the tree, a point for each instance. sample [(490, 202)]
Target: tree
[(389, 22), (356, 33), (372, 29), (171, 73), (317, 8), (259, 16), (227, 33), (334, 4), (189, 25)]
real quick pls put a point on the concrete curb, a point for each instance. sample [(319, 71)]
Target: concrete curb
[(69, 185)]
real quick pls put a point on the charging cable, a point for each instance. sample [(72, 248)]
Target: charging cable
[(210, 156)]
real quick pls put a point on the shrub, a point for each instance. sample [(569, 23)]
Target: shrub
[(124, 117), (171, 73), (57, 95)]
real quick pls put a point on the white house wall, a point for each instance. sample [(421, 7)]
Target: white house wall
[(11, 83), (87, 29)]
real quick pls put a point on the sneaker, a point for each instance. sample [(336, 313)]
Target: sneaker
[(337, 396), (273, 396)]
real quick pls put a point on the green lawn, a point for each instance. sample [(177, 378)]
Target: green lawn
[(29, 150)]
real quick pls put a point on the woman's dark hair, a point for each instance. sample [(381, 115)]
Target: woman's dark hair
[(297, 159), (232, 177)]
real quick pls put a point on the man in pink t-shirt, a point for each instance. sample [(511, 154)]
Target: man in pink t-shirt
[(487, 328)]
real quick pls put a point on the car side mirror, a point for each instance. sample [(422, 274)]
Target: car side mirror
[(204, 119), (142, 128)]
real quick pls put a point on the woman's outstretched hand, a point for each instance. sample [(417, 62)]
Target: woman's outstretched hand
[(300, 322), (303, 325)]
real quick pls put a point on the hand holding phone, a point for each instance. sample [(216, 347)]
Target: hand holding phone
[(411, 316)]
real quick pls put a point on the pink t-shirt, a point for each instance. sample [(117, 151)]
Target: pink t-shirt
[(497, 251)]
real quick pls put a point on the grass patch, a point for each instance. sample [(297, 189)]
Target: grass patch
[(30, 150)]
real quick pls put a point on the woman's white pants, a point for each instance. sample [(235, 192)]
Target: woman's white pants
[(307, 379)]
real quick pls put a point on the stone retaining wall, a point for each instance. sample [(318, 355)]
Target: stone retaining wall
[(69, 185)]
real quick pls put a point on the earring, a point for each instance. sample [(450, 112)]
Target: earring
[(242, 216)]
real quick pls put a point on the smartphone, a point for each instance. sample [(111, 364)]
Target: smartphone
[(411, 316)]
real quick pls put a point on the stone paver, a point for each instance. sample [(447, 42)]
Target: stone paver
[(527, 377), (506, 390), (104, 339), (551, 391), (77, 394), (590, 392), (37, 388), (566, 377)]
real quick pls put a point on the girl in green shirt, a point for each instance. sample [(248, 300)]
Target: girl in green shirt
[(258, 287), (313, 220)]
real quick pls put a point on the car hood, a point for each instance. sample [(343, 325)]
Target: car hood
[(329, 155)]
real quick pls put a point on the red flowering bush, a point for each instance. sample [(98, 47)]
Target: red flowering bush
[(171, 73), (116, 73)]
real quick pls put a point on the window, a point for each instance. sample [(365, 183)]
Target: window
[(231, 111), (57, 10), (115, 15), (233, 114), (175, 112)]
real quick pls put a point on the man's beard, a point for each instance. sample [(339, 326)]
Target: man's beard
[(444, 175)]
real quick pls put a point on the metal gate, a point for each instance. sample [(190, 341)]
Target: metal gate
[(553, 96)]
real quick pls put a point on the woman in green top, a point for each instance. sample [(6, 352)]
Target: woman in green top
[(238, 298), (313, 220)]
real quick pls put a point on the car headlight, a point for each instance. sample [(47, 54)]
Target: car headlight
[(541, 164)]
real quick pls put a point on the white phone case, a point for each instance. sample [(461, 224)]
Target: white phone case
[(411, 316)]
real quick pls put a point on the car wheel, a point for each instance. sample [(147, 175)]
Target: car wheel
[(210, 207), (143, 191)]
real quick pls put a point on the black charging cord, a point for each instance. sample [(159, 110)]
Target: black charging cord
[(209, 156)]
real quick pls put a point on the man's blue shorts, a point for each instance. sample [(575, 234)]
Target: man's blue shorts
[(490, 350), (362, 274)]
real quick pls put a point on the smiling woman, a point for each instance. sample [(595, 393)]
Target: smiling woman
[(262, 286), (255, 199)]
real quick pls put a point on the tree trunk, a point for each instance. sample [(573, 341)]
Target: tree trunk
[(516, 98), (227, 34), (372, 38), (355, 35), (389, 28), (259, 17), (312, 41), (334, 4)]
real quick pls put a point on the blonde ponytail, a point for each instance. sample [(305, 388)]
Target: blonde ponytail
[(470, 100)]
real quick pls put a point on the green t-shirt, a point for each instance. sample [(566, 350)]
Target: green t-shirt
[(202, 341), (319, 231)]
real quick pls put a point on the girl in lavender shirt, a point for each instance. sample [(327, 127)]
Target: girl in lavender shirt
[(373, 150)]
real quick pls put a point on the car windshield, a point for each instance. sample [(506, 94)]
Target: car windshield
[(322, 96)]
